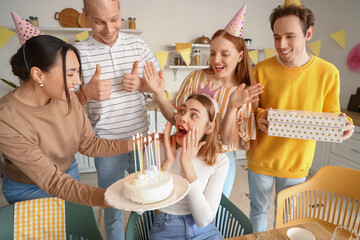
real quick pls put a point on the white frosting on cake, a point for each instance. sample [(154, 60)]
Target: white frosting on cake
[(148, 187)]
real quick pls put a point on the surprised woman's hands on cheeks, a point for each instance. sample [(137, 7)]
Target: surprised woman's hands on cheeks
[(170, 148), (190, 148)]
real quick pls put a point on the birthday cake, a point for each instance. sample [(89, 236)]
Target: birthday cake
[(148, 187)]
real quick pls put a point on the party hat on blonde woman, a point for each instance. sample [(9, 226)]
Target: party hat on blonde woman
[(236, 25), (293, 2), (24, 29)]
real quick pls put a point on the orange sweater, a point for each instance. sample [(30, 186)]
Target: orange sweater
[(39, 143)]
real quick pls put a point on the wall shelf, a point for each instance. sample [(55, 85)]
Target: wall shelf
[(62, 29), (194, 45)]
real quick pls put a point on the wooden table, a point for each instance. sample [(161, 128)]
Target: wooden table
[(315, 228)]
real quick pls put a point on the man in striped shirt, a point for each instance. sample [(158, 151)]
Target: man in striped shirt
[(112, 64)]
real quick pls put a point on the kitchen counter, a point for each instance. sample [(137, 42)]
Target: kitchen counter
[(354, 115)]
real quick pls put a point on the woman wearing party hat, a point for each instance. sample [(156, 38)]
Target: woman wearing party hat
[(43, 125), (230, 71)]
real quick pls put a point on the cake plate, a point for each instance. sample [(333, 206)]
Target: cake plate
[(115, 197)]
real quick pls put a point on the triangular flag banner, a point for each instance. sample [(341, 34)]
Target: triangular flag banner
[(81, 36), (5, 35), (185, 53), (315, 47), (269, 53), (162, 56), (180, 46), (339, 37), (254, 56), (65, 40)]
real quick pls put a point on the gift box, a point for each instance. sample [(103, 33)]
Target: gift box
[(320, 126)]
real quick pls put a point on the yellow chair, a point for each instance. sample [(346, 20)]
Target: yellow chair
[(331, 197)]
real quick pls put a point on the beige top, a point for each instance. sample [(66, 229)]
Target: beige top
[(39, 144)]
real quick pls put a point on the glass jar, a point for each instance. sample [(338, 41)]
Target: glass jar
[(34, 21), (177, 59), (196, 57), (132, 23), (122, 23)]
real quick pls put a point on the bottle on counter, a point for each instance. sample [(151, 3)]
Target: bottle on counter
[(122, 23)]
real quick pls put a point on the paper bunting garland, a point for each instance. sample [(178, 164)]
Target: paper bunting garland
[(5, 35), (315, 47), (269, 53), (254, 56), (81, 36), (339, 37), (185, 51), (162, 56)]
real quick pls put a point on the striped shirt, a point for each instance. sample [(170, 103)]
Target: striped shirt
[(124, 113), (245, 118)]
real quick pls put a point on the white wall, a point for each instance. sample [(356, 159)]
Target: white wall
[(170, 21)]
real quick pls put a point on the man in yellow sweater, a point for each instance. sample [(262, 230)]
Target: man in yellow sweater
[(292, 80)]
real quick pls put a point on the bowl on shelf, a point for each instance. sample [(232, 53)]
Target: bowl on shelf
[(202, 40)]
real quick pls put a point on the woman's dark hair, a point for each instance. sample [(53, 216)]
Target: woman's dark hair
[(42, 52), (305, 15)]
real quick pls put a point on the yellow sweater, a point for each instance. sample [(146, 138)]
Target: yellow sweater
[(312, 87)]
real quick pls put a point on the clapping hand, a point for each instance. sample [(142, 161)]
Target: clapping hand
[(170, 148), (244, 95), (154, 82)]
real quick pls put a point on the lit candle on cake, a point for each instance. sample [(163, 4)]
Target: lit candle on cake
[(158, 147), (147, 158), (142, 149), (134, 154), (156, 150), (139, 152), (152, 161)]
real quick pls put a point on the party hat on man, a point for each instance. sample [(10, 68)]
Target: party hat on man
[(236, 25), (293, 2), (24, 29)]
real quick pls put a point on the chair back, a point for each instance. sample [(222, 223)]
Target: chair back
[(229, 220), (331, 197), (80, 222)]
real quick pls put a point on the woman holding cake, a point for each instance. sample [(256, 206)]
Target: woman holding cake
[(43, 125), (230, 71)]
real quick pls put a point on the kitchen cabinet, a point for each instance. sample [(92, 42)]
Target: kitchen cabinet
[(345, 154)]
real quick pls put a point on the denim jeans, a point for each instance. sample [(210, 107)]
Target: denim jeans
[(229, 181), (177, 227), (260, 189), (17, 191), (110, 170)]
